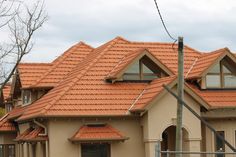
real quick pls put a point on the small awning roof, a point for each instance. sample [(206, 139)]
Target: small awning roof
[(31, 135), (97, 133), (6, 125)]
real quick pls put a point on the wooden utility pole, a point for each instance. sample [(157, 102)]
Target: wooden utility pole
[(180, 88)]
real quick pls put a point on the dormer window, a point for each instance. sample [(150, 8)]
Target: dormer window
[(26, 97), (222, 75), (143, 69), (140, 65)]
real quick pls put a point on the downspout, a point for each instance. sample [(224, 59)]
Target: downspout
[(43, 134)]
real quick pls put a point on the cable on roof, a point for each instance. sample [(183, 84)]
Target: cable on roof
[(163, 23)]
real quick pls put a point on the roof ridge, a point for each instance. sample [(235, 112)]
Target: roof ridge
[(60, 59), (113, 42), (189, 70)]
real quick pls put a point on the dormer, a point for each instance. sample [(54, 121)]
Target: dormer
[(221, 75), (138, 66), (215, 70)]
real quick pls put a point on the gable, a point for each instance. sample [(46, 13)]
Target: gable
[(222, 74), (207, 61), (138, 65)]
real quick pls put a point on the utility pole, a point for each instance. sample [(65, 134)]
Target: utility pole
[(180, 88)]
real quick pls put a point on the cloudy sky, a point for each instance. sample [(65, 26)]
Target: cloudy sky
[(206, 25)]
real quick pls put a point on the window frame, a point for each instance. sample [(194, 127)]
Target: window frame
[(141, 73), (5, 150), (23, 97), (215, 144), (107, 145), (222, 75)]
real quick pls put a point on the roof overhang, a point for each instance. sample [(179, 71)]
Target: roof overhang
[(100, 133), (138, 55)]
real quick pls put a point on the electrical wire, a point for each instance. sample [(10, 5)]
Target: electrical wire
[(163, 23)]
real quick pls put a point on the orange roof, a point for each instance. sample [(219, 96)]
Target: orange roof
[(16, 112), (31, 134), (30, 72), (83, 92), (151, 92), (63, 65), (202, 63), (97, 133), (6, 91), (6, 125), (216, 98), (127, 60)]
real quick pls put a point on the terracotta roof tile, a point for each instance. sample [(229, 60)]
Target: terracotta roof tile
[(83, 92), (30, 72), (6, 91), (31, 134), (97, 133), (151, 92), (127, 60), (204, 62), (216, 98), (63, 65), (16, 112), (6, 125)]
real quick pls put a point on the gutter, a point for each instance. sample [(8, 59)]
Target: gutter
[(43, 134)]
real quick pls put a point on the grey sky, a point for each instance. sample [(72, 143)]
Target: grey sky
[(205, 24)]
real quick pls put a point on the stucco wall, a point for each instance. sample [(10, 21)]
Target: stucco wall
[(162, 114), (228, 126), (61, 130)]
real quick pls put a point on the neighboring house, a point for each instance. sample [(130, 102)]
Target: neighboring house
[(109, 102)]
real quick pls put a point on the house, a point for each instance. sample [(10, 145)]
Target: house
[(109, 102)]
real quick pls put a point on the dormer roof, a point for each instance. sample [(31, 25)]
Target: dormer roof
[(206, 61), (131, 58)]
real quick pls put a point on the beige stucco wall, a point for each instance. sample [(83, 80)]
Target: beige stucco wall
[(162, 114), (61, 130), (228, 126)]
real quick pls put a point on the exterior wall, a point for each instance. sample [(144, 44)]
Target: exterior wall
[(228, 126), (61, 130), (162, 114), (25, 149)]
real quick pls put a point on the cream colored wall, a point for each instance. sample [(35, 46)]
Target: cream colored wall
[(162, 114), (228, 126), (61, 130), (23, 127)]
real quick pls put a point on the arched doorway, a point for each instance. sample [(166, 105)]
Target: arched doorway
[(168, 139)]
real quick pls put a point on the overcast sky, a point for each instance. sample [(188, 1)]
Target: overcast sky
[(205, 24)]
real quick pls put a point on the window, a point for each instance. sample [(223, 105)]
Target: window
[(229, 78), (8, 107), (221, 76), (7, 150), (219, 144), (95, 150), (144, 69), (26, 96)]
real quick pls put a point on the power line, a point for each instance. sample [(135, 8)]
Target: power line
[(163, 23)]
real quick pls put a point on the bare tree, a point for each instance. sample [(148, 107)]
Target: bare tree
[(22, 22)]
